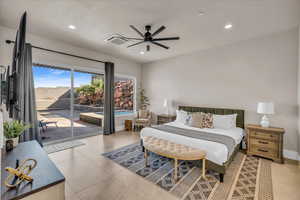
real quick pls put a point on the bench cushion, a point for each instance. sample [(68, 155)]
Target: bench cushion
[(172, 150)]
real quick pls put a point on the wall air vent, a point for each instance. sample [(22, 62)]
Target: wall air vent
[(116, 39)]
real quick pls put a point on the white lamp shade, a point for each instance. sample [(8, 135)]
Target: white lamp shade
[(166, 103), (266, 108)]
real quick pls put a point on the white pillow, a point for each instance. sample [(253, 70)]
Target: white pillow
[(182, 116), (224, 121)]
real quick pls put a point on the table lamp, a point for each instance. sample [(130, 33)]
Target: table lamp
[(265, 108), (167, 105)]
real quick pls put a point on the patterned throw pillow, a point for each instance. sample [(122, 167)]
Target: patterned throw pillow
[(207, 121), (196, 120)]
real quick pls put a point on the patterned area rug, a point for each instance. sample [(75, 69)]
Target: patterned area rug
[(246, 178)]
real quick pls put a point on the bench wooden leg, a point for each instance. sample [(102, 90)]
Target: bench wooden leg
[(143, 148), (175, 169), (203, 167), (146, 157)]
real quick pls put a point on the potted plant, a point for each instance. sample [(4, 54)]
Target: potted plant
[(12, 131), (144, 100)]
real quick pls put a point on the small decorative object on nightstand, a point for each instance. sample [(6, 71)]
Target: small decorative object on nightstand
[(265, 142), (163, 118)]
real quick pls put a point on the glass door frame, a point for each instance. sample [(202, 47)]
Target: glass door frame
[(71, 70), (93, 70)]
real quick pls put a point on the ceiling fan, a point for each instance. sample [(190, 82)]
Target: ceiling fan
[(149, 37)]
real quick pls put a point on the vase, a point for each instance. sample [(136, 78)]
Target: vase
[(9, 145), (15, 141)]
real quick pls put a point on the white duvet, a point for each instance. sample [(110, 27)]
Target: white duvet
[(216, 152)]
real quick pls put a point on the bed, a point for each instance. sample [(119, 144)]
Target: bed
[(218, 155)]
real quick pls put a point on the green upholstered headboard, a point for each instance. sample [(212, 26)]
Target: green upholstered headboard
[(219, 111)]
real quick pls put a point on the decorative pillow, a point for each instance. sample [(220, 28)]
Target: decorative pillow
[(207, 121), (182, 116), (196, 120), (224, 121)]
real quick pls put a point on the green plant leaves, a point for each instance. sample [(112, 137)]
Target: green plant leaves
[(14, 128)]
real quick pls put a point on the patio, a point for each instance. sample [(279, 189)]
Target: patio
[(63, 130)]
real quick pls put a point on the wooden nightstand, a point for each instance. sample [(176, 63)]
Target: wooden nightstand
[(265, 142), (163, 118)]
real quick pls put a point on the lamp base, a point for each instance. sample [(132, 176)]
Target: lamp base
[(265, 122), (167, 111)]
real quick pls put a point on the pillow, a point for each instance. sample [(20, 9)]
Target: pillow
[(182, 116), (224, 121), (196, 120), (207, 121)]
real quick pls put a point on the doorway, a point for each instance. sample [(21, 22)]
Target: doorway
[(63, 97)]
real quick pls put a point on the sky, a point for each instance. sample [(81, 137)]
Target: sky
[(51, 77)]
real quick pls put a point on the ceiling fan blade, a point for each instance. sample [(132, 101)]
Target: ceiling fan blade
[(148, 47), (136, 30), (129, 38), (158, 31), (167, 38), (161, 45), (135, 44)]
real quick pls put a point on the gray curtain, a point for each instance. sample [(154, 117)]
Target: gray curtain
[(109, 102), (26, 99)]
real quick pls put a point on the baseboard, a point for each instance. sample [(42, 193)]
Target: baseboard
[(293, 155)]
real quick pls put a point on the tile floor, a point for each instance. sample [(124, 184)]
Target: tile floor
[(90, 176)]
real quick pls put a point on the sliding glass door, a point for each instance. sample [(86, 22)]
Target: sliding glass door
[(53, 102), (69, 103), (88, 103)]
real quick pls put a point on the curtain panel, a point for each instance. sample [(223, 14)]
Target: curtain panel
[(109, 103), (26, 98)]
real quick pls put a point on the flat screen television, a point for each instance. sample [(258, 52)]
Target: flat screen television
[(12, 80)]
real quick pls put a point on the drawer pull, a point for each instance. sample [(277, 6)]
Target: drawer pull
[(262, 150), (262, 142)]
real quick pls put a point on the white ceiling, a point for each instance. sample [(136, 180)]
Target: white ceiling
[(97, 19)]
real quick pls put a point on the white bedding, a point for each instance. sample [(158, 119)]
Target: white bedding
[(216, 152)]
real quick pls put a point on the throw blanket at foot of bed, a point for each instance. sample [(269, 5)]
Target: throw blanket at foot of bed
[(223, 139)]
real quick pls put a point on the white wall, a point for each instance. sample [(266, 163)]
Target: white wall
[(233, 76), (122, 66)]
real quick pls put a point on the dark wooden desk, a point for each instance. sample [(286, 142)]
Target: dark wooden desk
[(45, 175)]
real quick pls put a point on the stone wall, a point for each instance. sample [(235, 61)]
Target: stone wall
[(59, 98), (124, 95)]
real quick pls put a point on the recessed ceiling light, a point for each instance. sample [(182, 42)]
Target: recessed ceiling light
[(228, 26), (72, 27), (142, 52), (200, 13)]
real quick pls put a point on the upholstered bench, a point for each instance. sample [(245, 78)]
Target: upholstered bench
[(172, 150)]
